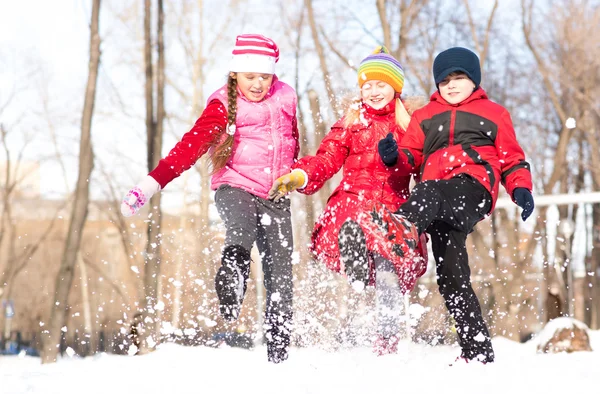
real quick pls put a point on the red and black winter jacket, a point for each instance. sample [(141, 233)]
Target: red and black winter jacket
[(475, 137)]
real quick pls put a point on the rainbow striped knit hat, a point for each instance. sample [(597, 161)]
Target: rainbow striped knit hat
[(383, 67)]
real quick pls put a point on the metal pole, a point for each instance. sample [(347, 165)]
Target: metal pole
[(570, 290), (567, 229)]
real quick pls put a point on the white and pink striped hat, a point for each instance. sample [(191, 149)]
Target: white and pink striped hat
[(254, 53)]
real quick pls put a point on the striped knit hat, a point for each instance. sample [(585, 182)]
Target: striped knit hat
[(383, 67), (254, 53)]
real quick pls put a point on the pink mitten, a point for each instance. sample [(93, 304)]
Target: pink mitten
[(138, 196)]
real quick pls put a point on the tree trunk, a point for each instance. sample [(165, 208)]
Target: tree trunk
[(154, 128), (64, 279), (319, 133), (322, 58), (594, 269), (88, 324)]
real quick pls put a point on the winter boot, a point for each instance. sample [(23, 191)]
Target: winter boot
[(400, 234), (230, 281), (278, 335), (354, 255), (462, 360), (383, 346), (276, 352), (484, 355)]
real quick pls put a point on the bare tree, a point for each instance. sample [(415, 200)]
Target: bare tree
[(51, 339), (154, 95), (322, 58), (15, 260), (566, 47)]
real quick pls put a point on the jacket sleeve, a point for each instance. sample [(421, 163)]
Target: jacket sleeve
[(328, 160), (514, 169), (193, 144), (410, 148)]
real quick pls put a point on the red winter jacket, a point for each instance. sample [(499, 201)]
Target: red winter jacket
[(366, 180), (475, 137), (355, 149)]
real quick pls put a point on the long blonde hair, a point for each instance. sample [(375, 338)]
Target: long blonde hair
[(224, 147)]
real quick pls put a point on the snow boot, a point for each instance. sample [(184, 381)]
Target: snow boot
[(400, 234), (230, 281), (277, 353), (384, 346), (354, 255), (278, 336)]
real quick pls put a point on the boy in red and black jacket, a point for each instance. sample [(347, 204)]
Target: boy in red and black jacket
[(462, 145)]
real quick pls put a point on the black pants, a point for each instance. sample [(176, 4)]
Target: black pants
[(448, 210), (250, 219)]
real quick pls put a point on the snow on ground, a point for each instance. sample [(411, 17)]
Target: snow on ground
[(417, 369)]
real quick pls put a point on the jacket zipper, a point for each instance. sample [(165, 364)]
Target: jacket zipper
[(452, 121), (272, 135)]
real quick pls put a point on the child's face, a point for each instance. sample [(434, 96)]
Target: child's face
[(377, 94), (456, 88), (254, 86)]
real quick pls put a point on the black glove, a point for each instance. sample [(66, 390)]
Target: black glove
[(524, 199), (388, 150)]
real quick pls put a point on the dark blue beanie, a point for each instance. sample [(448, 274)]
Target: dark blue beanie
[(457, 59)]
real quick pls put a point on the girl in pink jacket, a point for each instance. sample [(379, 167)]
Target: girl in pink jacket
[(249, 130)]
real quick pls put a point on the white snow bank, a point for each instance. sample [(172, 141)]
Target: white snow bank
[(417, 368)]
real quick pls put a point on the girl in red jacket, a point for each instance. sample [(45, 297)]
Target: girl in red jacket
[(249, 129), (340, 239)]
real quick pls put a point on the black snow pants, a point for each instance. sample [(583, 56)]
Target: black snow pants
[(448, 210)]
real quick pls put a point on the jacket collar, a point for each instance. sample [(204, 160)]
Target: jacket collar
[(371, 112), (478, 94)]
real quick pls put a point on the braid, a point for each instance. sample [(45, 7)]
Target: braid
[(222, 151), (231, 100)]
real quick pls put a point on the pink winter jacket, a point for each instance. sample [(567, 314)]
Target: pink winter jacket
[(265, 140)]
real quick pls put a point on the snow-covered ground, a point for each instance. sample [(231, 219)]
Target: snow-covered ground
[(416, 369)]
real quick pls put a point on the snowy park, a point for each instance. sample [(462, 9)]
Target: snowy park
[(299, 196), (416, 368)]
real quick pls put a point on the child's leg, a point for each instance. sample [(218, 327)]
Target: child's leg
[(389, 298), (353, 253), (238, 211), (425, 204), (454, 281), (461, 201), (275, 244)]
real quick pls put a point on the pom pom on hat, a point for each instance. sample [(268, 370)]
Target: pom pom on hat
[(254, 53), (382, 66)]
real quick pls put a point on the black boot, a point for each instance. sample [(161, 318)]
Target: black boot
[(278, 337), (353, 253), (230, 281)]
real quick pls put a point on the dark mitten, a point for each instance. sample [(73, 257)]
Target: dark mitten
[(524, 199), (388, 150)]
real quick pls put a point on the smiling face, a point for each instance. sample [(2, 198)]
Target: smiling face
[(377, 94), (254, 86), (455, 88)]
